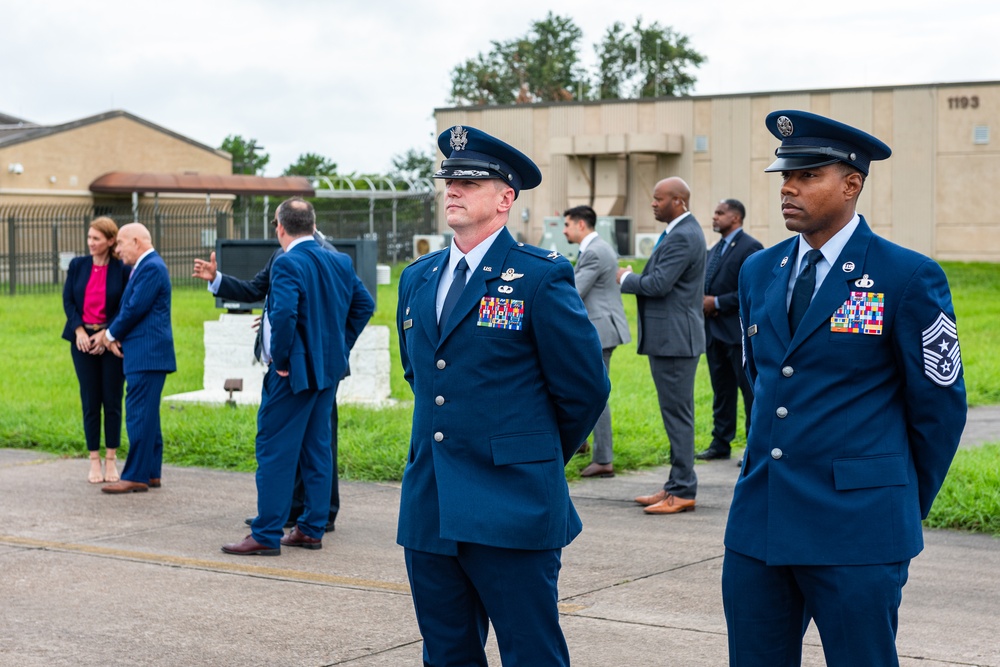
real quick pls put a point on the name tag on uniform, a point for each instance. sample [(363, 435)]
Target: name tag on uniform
[(499, 313), (863, 313), (407, 324)]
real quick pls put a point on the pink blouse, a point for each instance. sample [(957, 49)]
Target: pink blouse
[(95, 297)]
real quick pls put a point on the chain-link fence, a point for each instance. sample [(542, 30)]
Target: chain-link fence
[(38, 242)]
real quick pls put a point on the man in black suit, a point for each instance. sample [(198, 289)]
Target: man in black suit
[(672, 334), (255, 289), (723, 339)]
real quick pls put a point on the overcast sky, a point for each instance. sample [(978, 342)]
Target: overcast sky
[(358, 82)]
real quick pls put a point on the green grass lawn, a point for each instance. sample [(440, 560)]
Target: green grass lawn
[(40, 404)]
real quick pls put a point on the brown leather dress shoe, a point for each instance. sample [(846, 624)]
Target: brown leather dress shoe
[(598, 470), (250, 547), (125, 486), (671, 505), (297, 538), (653, 499), (154, 483)]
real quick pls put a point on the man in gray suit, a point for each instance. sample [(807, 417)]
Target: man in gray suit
[(669, 295), (595, 273)]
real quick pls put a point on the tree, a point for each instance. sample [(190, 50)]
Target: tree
[(246, 158), (644, 62), (311, 164), (412, 164), (542, 66)]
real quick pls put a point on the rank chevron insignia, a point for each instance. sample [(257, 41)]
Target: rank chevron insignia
[(942, 357)]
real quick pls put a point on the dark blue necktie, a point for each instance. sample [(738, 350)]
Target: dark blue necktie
[(454, 292), (714, 259), (802, 293)]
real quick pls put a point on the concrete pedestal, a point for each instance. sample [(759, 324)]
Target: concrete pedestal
[(229, 354)]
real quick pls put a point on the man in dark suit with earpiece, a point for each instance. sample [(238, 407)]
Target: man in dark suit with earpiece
[(723, 339)]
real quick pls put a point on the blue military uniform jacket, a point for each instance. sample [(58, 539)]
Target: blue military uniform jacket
[(503, 397), (857, 417)]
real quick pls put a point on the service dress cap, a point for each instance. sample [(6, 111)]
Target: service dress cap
[(809, 140), (472, 154)]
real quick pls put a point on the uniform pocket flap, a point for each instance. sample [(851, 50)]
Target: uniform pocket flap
[(522, 448), (870, 472)]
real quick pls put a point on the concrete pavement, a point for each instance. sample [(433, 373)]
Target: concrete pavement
[(91, 579)]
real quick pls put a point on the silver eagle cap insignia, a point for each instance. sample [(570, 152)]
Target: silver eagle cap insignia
[(459, 138)]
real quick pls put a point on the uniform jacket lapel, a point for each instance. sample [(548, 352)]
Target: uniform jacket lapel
[(776, 296), (425, 296)]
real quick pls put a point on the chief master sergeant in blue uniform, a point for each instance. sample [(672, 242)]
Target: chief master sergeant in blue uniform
[(859, 402), (507, 379)]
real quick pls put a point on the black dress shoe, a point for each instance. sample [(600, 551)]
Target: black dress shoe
[(250, 547), (712, 454)]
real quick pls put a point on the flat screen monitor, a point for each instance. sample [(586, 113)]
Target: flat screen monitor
[(244, 258)]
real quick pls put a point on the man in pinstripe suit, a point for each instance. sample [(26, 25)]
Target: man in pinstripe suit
[(142, 336)]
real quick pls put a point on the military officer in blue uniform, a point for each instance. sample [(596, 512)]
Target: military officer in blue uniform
[(507, 379), (851, 345)]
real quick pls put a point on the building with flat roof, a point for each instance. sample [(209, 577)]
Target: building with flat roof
[(56, 164), (939, 193)]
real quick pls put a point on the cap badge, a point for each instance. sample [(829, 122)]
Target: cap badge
[(848, 267), (864, 281), (785, 126), (459, 138), (509, 275)]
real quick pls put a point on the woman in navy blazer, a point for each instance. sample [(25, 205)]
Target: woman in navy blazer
[(91, 297)]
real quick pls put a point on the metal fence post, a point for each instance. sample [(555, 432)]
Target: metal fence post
[(157, 232), (12, 255), (220, 225), (55, 253)]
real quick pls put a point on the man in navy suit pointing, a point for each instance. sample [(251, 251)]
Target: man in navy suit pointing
[(507, 382), (316, 310), (859, 402)]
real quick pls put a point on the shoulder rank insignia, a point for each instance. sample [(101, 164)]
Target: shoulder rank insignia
[(509, 275), (942, 358), (553, 254)]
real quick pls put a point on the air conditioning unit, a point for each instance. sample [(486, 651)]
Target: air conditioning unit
[(644, 244), (425, 243)]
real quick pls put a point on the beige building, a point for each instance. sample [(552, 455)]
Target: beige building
[(56, 164), (939, 193)]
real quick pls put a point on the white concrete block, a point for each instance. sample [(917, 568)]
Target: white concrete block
[(229, 354)]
